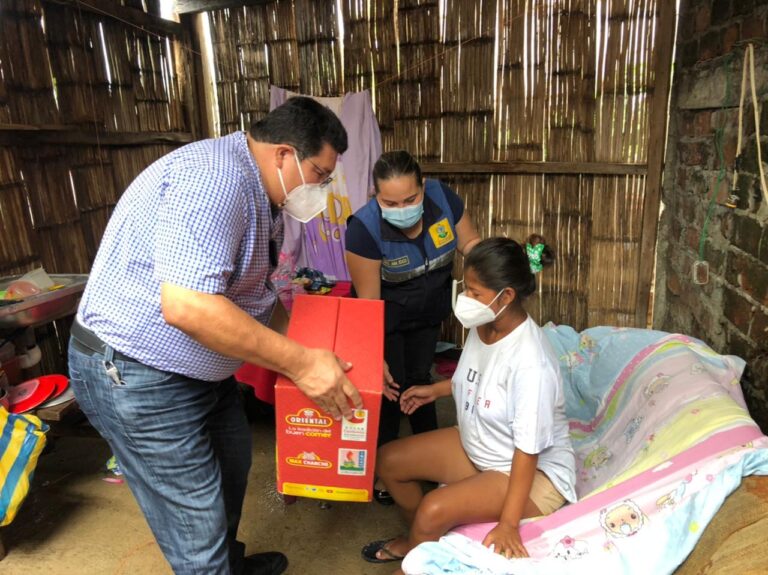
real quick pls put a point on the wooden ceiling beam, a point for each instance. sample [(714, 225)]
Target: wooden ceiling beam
[(520, 167), (23, 135), (137, 18), (195, 6)]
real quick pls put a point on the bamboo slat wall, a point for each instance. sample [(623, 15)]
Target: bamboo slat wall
[(493, 81), (416, 84), (66, 68)]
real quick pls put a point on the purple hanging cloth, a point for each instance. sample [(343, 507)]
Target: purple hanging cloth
[(320, 243)]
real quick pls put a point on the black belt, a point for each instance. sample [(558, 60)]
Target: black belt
[(87, 342)]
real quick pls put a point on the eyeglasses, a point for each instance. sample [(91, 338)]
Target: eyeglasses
[(327, 181)]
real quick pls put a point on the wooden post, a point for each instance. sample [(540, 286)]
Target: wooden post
[(201, 98), (186, 70), (659, 115)]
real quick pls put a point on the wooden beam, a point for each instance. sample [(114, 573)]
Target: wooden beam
[(137, 18), (188, 67), (195, 6), (657, 142), (594, 168), (24, 135), (203, 99)]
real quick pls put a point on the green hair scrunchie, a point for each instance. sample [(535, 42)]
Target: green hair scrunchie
[(534, 256)]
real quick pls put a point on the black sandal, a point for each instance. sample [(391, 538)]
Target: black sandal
[(383, 497), (369, 552)]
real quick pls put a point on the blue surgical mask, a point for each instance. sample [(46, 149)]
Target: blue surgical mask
[(403, 218)]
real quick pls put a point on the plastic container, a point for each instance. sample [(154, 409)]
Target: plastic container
[(44, 307), (21, 289), (39, 279)]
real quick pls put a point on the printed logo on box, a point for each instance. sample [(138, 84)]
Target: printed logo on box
[(352, 461), (309, 459), (309, 422), (310, 417), (355, 429)]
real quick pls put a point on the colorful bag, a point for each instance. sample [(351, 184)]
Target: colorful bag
[(22, 439)]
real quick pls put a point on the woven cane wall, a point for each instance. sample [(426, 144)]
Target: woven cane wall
[(460, 83), (87, 101)]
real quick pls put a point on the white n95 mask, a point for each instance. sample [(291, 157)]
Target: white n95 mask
[(472, 313), (306, 200)]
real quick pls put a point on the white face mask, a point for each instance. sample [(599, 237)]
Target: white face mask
[(304, 201), (472, 313)]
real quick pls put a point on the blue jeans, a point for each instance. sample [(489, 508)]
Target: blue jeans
[(184, 447)]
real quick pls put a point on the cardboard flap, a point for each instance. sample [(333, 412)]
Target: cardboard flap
[(313, 324), (313, 320), (360, 340)]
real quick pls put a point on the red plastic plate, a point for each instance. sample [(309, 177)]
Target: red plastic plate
[(30, 394)]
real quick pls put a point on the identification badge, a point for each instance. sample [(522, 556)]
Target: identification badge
[(441, 233), (397, 262)]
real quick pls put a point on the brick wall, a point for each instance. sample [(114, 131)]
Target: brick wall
[(730, 312)]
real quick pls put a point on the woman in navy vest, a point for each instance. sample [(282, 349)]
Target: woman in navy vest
[(400, 248)]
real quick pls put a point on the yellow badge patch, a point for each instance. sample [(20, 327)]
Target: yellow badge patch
[(441, 233)]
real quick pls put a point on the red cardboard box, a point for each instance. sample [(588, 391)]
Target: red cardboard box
[(316, 455)]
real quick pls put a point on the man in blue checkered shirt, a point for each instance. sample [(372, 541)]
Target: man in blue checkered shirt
[(178, 297)]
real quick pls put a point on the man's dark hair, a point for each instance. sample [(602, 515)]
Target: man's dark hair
[(304, 124), (395, 164)]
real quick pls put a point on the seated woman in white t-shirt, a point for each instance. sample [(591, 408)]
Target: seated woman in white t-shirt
[(510, 456)]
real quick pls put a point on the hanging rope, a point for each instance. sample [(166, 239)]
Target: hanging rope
[(749, 65)]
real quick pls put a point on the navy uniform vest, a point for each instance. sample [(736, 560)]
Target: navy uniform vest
[(415, 273)]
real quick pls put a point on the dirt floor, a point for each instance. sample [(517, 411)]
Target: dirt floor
[(73, 522)]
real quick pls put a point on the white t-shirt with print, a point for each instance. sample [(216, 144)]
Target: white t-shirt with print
[(509, 395)]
